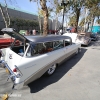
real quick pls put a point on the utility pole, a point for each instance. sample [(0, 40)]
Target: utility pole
[(63, 4)]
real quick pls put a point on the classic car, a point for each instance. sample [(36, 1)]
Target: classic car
[(72, 35), (35, 56), (6, 41), (23, 32), (83, 38), (94, 36)]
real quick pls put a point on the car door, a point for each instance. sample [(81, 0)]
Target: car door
[(70, 48)]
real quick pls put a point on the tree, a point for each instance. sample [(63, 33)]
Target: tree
[(39, 18), (98, 21), (56, 9), (6, 18), (82, 22), (76, 6), (72, 21), (94, 7), (45, 15)]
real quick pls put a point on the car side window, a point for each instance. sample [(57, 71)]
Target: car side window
[(58, 44), (49, 46), (39, 48), (45, 47), (67, 42)]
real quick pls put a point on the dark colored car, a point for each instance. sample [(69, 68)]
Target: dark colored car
[(94, 37)]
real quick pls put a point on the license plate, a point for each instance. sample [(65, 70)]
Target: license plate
[(7, 71)]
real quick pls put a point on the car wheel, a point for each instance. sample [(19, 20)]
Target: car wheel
[(78, 51), (51, 70)]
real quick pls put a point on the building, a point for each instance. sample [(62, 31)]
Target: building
[(16, 13)]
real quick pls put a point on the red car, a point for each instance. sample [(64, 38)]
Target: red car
[(6, 41)]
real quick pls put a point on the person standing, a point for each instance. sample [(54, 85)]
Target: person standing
[(60, 32), (27, 32), (34, 32), (31, 32)]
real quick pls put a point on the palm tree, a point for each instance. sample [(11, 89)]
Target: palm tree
[(45, 15), (76, 6), (98, 21), (72, 21), (94, 7), (56, 9), (6, 18), (39, 18), (3, 15)]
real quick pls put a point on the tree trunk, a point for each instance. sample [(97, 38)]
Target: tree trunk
[(39, 18), (7, 14), (45, 24), (45, 14), (56, 24), (92, 22), (85, 20), (3, 15), (77, 17)]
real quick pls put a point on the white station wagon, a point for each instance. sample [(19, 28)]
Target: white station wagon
[(34, 56)]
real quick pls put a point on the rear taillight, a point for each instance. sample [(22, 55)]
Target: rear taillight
[(14, 70), (17, 71)]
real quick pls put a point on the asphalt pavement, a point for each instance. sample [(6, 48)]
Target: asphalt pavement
[(76, 79)]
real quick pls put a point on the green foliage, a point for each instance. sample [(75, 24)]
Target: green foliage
[(82, 22), (23, 22), (94, 7), (98, 21), (72, 21), (74, 9)]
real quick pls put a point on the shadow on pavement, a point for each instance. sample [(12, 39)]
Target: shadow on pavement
[(61, 70)]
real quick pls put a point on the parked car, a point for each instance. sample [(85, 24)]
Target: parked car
[(94, 36), (35, 56), (72, 35), (23, 32), (6, 41), (83, 38)]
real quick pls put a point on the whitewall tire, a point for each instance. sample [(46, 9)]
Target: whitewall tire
[(51, 70)]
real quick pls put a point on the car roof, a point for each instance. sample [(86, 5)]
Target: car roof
[(32, 38), (47, 38)]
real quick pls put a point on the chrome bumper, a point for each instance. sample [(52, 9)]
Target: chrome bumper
[(11, 75)]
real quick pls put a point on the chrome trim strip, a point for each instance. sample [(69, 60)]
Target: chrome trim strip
[(12, 76)]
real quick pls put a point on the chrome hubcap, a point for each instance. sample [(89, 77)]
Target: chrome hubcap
[(51, 69)]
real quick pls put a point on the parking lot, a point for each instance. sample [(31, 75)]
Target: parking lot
[(76, 79)]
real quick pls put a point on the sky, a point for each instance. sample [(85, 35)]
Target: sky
[(26, 5), (23, 5)]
